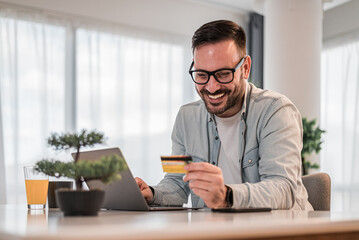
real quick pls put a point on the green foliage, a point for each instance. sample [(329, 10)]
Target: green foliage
[(106, 169), (308, 165), (67, 141), (311, 143)]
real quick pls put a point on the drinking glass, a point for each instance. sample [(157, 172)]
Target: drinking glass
[(36, 188)]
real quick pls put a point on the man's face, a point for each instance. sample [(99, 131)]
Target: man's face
[(223, 100)]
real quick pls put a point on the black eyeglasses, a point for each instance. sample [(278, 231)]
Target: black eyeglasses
[(223, 75)]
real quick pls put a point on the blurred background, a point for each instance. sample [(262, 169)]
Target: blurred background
[(121, 67)]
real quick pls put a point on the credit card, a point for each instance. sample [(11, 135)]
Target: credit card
[(175, 164)]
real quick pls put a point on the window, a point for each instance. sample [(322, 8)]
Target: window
[(32, 93), (128, 87), (131, 89), (340, 119)]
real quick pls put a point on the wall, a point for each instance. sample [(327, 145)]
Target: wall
[(173, 16), (341, 20), (293, 36)]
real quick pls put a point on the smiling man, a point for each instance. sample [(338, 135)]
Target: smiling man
[(223, 59), (245, 142)]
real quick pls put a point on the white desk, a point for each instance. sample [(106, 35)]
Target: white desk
[(16, 222)]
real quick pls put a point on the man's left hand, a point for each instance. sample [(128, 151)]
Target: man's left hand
[(206, 181)]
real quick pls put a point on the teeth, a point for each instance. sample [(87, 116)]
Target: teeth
[(216, 96)]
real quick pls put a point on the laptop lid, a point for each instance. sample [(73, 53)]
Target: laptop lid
[(123, 194), (120, 195)]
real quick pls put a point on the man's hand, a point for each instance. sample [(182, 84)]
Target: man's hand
[(206, 181), (145, 189)]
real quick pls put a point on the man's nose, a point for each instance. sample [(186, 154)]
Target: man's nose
[(212, 85)]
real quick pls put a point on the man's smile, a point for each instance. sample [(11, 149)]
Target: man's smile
[(215, 99), (215, 96)]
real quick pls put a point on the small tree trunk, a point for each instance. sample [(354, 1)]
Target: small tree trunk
[(304, 170), (78, 184), (77, 153)]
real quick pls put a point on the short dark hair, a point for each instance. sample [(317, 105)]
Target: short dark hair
[(217, 31)]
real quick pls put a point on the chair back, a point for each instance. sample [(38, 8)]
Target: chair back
[(318, 188)]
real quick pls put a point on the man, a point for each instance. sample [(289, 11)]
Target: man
[(245, 142)]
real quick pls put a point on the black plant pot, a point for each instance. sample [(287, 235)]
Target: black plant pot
[(79, 202)]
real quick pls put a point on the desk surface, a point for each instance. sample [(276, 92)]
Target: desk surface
[(16, 222)]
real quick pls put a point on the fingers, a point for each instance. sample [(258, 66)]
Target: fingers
[(206, 181), (198, 184), (203, 176), (141, 184), (214, 187), (202, 166), (138, 180), (145, 189), (203, 171)]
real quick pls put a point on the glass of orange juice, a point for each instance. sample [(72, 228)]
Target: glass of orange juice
[(36, 188)]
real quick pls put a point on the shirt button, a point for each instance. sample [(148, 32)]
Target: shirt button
[(249, 160), (213, 163), (216, 138)]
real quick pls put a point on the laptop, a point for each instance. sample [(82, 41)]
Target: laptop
[(123, 194)]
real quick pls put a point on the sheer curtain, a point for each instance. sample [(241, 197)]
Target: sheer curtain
[(32, 94), (340, 119), (131, 89), (2, 161), (56, 76)]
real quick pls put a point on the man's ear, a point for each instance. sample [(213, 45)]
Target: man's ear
[(247, 67)]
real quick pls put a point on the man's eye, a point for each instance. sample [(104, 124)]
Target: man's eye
[(223, 74), (201, 75)]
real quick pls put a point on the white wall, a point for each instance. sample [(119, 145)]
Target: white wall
[(181, 17), (292, 50), (341, 20), (293, 37)]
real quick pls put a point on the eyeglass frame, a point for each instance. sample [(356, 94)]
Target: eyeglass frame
[(209, 73)]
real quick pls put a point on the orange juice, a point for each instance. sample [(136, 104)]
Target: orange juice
[(36, 191)]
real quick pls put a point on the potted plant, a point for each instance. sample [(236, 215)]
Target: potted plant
[(80, 201), (311, 143)]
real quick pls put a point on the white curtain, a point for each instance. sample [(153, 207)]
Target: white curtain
[(56, 76), (32, 94), (340, 119), (2, 161), (131, 89)]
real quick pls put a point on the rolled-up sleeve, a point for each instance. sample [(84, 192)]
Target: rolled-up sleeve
[(172, 190)]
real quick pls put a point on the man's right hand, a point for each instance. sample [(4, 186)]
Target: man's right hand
[(145, 189)]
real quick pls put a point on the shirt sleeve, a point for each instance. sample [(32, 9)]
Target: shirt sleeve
[(172, 190)]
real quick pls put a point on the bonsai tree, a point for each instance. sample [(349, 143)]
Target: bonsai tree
[(311, 143), (107, 169)]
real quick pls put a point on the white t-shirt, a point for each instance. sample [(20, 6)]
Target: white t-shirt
[(228, 162)]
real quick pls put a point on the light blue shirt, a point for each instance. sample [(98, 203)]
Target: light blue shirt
[(269, 148)]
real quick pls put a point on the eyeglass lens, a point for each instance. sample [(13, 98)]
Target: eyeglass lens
[(222, 76)]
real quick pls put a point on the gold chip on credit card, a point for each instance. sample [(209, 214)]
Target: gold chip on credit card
[(175, 164)]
